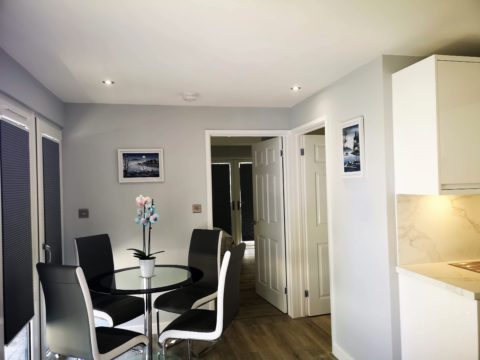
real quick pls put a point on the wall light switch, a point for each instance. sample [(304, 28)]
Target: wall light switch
[(196, 208), (83, 213)]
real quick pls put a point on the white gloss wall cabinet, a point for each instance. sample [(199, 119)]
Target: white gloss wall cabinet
[(436, 122)]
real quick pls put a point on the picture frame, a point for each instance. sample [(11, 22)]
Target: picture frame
[(353, 148), (140, 165)]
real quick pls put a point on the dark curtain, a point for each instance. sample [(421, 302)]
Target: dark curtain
[(246, 194), (51, 196), (221, 197)]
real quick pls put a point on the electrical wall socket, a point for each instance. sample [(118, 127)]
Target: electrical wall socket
[(196, 208)]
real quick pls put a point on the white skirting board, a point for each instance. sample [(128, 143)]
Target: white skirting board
[(340, 353)]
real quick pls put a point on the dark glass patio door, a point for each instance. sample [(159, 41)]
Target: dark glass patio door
[(51, 201), (232, 197), (221, 197), (246, 196)]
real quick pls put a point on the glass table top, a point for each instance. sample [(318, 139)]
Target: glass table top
[(129, 280), (468, 265)]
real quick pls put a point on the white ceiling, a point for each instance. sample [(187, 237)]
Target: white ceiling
[(233, 52)]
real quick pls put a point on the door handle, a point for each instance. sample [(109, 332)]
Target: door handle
[(48, 253), (239, 205)]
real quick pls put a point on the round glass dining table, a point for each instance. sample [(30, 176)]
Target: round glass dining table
[(128, 281)]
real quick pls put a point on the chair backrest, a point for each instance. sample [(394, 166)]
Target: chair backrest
[(204, 254), (95, 255), (228, 293), (69, 312)]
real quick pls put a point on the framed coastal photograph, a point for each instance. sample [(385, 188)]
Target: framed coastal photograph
[(353, 147), (140, 165)]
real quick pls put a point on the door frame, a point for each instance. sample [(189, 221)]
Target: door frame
[(291, 261), (296, 195)]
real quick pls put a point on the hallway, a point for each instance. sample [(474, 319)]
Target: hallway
[(260, 331)]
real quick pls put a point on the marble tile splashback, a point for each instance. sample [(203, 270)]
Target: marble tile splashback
[(437, 228)]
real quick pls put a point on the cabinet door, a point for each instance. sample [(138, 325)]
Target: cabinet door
[(415, 129), (458, 91)]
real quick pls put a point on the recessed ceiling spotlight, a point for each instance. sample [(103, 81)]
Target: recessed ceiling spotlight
[(296, 88), (108, 82), (189, 96)]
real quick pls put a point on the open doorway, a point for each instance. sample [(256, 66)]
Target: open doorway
[(232, 187), (246, 184)]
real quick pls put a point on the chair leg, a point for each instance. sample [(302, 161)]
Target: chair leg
[(189, 343), (158, 326), (164, 350)]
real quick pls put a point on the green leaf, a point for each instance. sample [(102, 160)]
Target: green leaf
[(157, 252), (140, 254)]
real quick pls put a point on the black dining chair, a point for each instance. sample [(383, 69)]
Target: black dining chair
[(203, 254), (209, 325), (70, 321), (95, 257)]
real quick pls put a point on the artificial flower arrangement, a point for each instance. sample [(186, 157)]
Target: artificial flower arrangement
[(146, 216)]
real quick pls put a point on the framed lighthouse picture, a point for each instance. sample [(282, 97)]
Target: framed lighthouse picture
[(353, 147)]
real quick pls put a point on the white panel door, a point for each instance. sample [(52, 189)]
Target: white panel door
[(316, 234), (268, 216)]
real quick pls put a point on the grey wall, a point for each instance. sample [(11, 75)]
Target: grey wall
[(91, 137), (232, 152), (20, 85), (362, 234)]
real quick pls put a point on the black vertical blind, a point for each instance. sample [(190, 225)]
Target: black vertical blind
[(246, 195), (51, 198), (221, 197), (16, 228)]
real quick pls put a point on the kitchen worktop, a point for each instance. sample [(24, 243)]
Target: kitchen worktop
[(460, 281)]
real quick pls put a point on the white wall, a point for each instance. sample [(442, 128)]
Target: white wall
[(91, 137), (20, 85), (362, 233)]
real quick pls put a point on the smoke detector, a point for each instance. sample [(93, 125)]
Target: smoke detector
[(189, 96), (108, 82)]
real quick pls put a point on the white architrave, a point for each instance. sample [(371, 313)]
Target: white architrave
[(293, 192), (294, 295)]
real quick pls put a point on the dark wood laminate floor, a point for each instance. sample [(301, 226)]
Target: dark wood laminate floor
[(260, 331)]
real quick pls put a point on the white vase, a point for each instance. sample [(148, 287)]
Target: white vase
[(147, 267)]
